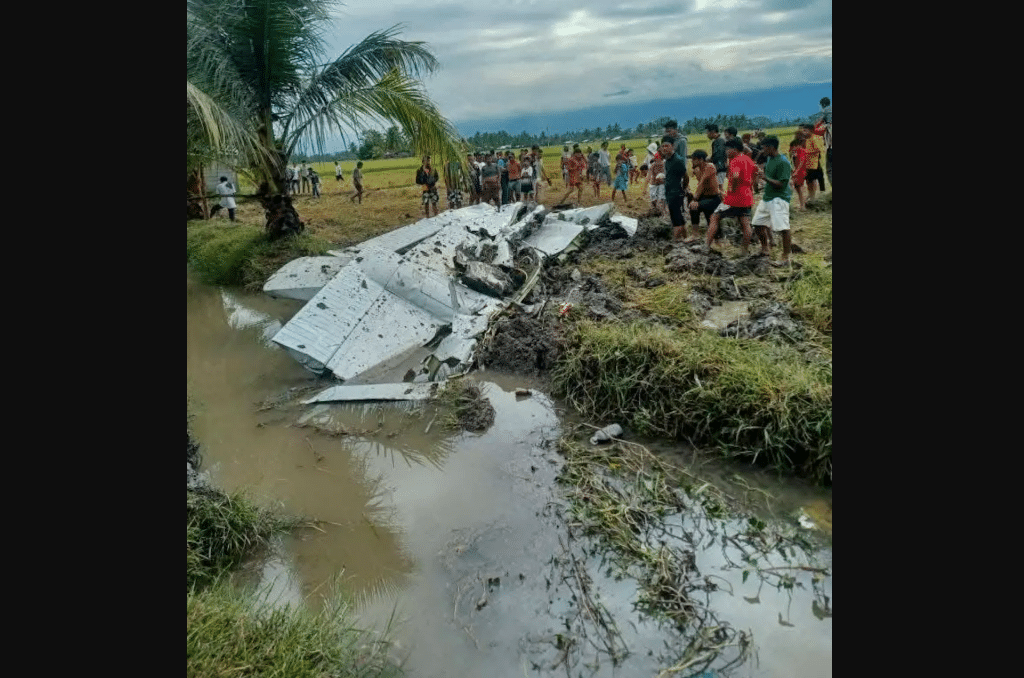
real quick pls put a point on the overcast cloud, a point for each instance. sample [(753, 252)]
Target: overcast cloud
[(504, 59)]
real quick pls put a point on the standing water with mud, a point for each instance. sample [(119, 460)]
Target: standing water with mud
[(521, 550)]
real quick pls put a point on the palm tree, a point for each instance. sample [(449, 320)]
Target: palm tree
[(261, 69)]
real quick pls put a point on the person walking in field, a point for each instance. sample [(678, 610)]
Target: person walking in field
[(314, 181), (718, 157), (426, 176), (577, 165), (815, 147), (739, 196), (338, 174), (604, 161), (295, 177), (798, 159), (621, 177), (357, 182), (227, 198), (773, 210), (303, 178)]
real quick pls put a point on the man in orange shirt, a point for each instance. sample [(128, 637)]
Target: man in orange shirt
[(576, 165), (739, 197)]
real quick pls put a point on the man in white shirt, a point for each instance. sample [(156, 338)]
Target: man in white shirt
[(227, 199)]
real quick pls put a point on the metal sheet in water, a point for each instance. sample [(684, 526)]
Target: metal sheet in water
[(375, 392), (302, 278), (390, 327), (325, 322)]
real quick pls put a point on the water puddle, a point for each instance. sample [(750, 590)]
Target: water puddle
[(719, 317), (458, 541)]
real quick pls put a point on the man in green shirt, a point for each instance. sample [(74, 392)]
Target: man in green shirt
[(675, 176), (773, 210)]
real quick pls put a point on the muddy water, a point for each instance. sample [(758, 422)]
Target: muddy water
[(453, 538)]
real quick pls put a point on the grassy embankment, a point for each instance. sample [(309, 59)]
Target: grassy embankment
[(768, 400), (748, 398), (233, 632)]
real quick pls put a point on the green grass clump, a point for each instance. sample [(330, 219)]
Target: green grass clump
[(668, 301), (811, 295), (241, 254), (748, 398), (231, 633), (220, 531)]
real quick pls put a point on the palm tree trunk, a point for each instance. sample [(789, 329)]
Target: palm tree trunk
[(281, 216)]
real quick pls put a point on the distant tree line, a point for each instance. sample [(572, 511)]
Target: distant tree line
[(695, 125), (374, 144)]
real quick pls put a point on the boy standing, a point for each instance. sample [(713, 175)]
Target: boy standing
[(576, 165), (773, 210), (357, 182), (426, 176), (740, 195)]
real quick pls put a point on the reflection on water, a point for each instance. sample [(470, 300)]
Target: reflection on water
[(453, 536)]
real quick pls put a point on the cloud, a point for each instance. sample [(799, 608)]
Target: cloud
[(534, 56)]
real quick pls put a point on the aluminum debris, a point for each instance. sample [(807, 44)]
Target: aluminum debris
[(375, 392), (302, 278), (402, 290)]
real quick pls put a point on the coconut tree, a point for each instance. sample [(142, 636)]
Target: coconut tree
[(265, 64)]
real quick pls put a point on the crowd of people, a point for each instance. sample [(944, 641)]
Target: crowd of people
[(724, 182)]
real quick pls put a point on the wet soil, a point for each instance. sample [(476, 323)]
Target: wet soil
[(460, 541)]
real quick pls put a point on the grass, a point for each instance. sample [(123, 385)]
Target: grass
[(221, 530), (465, 406), (810, 294), (231, 633), (240, 254), (746, 398)]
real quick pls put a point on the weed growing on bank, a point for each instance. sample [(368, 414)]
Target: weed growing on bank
[(241, 254), (232, 633), (748, 398)]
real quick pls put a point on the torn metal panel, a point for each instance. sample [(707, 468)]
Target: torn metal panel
[(388, 328), (590, 216), (628, 224), (302, 278), (324, 323), (374, 392), (401, 239), (455, 346), (554, 236)]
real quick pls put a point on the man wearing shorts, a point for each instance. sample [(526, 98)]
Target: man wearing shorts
[(426, 176), (707, 196), (675, 175), (740, 195), (773, 210)]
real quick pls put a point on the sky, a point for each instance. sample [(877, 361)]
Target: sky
[(524, 64)]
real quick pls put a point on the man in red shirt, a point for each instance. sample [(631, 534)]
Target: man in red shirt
[(739, 196)]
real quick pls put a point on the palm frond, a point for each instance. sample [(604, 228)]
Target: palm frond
[(395, 98)]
